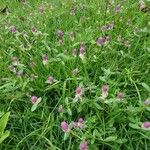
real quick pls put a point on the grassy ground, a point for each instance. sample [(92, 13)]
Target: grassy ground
[(123, 64)]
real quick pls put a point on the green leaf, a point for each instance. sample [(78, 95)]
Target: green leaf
[(66, 135), (3, 122), (134, 126), (34, 107), (110, 138), (146, 87), (4, 136), (148, 109), (121, 141)]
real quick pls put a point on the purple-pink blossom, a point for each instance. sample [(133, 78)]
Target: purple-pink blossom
[(79, 92), (100, 41), (83, 145), (107, 39), (64, 126), (50, 80), (33, 29), (34, 99), (82, 51), (120, 96), (146, 125), (14, 29), (104, 89), (60, 33)]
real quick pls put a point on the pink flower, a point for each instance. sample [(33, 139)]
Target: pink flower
[(105, 89), (120, 96), (34, 29), (83, 145), (14, 29), (64, 126), (79, 92), (107, 40), (100, 41), (45, 59), (60, 33), (81, 120), (79, 123), (82, 51), (118, 9), (147, 102), (50, 80), (34, 99), (146, 125)]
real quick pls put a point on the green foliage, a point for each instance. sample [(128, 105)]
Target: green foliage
[(3, 122), (109, 122)]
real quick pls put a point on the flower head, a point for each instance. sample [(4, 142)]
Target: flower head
[(83, 145), (82, 51), (100, 41), (120, 96), (33, 29), (60, 33), (34, 99), (50, 80), (14, 29), (146, 125), (79, 92), (45, 59), (118, 9), (147, 102), (107, 39), (64, 126), (104, 89)]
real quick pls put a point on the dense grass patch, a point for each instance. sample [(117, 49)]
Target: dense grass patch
[(75, 74)]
